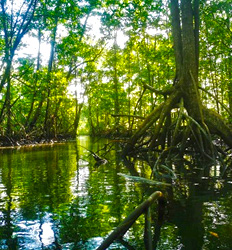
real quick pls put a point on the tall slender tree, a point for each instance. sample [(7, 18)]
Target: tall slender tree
[(15, 25)]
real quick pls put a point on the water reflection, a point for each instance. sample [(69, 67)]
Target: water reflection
[(35, 234), (55, 197)]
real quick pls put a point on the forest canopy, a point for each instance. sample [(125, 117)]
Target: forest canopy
[(158, 72)]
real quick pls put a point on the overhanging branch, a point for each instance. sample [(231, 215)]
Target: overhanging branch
[(163, 92)]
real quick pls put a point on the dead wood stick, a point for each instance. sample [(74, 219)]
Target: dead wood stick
[(129, 221)]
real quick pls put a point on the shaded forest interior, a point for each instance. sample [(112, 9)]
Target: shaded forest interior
[(155, 73)]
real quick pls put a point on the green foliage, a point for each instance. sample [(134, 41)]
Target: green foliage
[(133, 49), (216, 52)]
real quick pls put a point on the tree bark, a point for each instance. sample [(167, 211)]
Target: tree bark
[(176, 34), (218, 126), (185, 31), (189, 72)]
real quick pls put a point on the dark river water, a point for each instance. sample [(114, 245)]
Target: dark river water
[(56, 197)]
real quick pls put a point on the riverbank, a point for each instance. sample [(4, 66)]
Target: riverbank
[(6, 142)]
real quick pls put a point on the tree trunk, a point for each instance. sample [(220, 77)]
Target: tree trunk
[(189, 69), (36, 115), (201, 121), (116, 87), (90, 117), (36, 80), (78, 108), (47, 119), (13, 33), (8, 106), (230, 83)]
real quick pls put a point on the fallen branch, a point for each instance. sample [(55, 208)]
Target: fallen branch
[(129, 221), (96, 157)]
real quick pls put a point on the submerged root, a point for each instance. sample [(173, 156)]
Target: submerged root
[(178, 135)]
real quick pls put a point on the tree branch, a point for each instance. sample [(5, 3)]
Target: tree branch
[(222, 104), (133, 116), (159, 92)]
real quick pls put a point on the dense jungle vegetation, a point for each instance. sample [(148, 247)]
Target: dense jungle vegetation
[(155, 78), (158, 72)]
